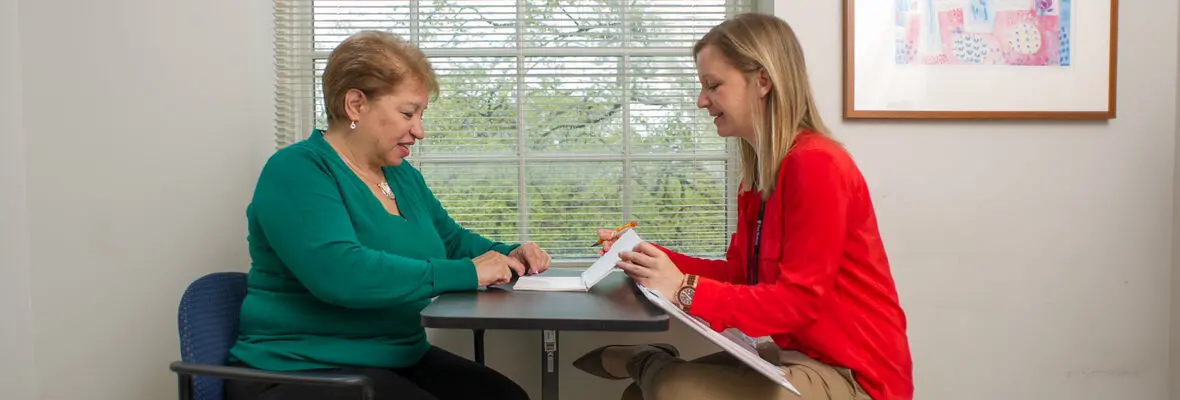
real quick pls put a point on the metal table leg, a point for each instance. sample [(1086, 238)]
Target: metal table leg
[(549, 364), (478, 346)]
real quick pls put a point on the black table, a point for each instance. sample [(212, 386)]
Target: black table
[(614, 304)]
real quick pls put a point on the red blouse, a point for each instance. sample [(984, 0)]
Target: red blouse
[(824, 287)]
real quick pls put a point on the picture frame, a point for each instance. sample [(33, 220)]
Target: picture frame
[(980, 59)]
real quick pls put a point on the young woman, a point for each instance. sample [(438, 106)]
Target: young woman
[(806, 266)]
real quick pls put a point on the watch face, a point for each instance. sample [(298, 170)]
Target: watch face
[(686, 296)]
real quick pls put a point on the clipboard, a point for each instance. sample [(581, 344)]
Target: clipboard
[(739, 348)]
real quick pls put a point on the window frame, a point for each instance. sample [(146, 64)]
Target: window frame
[(299, 91)]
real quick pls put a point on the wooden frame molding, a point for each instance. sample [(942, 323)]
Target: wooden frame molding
[(849, 81)]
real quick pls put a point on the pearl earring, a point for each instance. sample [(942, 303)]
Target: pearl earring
[(353, 126)]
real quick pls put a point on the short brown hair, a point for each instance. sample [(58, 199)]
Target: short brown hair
[(373, 62)]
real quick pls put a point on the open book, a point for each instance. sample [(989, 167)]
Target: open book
[(738, 347), (599, 270)]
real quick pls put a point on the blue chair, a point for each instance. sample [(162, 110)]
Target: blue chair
[(208, 325)]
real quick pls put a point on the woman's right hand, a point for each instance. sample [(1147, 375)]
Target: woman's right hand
[(608, 238), (493, 268)]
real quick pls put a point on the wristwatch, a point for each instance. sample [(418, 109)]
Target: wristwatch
[(687, 290)]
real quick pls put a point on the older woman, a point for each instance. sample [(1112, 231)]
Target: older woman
[(349, 244), (806, 267)]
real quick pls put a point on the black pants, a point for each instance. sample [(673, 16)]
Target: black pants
[(440, 375)]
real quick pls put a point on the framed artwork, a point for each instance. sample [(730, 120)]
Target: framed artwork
[(980, 59)]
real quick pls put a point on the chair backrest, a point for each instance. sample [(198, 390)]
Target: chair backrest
[(208, 325)]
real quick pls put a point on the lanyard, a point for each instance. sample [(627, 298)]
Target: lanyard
[(752, 262)]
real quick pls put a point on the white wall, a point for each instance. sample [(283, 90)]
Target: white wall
[(1045, 275), (16, 332), (146, 123)]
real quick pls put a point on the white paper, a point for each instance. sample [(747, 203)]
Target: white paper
[(601, 268), (550, 283), (730, 343), (590, 277), (741, 338)]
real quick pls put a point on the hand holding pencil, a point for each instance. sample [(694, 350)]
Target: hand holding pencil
[(606, 237)]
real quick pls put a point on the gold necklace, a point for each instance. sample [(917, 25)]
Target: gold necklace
[(383, 186)]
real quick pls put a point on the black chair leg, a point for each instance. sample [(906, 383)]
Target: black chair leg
[(184, 385), (478, 346)]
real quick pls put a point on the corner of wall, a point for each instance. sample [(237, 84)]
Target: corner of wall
[(17, 359), (1174, 359), (1174, 315)]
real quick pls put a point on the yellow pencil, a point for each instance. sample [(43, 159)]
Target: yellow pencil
[(621, 228)]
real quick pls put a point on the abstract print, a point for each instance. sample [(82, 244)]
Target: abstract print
[(982, 32)]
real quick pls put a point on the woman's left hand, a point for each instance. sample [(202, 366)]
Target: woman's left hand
[(650, 267), (534, 259)]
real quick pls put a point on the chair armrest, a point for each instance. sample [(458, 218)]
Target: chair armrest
[(251, 374)]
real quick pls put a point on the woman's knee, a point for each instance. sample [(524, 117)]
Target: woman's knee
[(452, 376), (504, 387), (677, 381), (688, 381), (513, 391)]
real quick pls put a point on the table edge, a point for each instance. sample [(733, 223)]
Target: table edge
[(657, 324)]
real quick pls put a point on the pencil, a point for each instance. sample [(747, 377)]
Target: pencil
[(631, 224)]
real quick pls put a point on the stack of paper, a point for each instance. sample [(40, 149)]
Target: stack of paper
[(599, 270), (740, 348)]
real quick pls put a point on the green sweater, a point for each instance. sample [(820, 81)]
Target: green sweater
[(335, 279)]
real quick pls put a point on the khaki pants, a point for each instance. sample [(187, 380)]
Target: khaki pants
[(659, 376)]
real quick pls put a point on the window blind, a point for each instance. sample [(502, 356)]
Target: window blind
[(555, 117)]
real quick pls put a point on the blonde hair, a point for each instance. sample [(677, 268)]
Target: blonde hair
[(373, 62), (754, 42)]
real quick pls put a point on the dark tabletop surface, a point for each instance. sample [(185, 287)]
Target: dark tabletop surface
[(614, 304)]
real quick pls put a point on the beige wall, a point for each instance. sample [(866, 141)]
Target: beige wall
[(1034, 259), (1175, 310), (145, 124), (16, 332)]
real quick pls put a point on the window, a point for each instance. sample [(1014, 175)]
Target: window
[(555, 117)]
